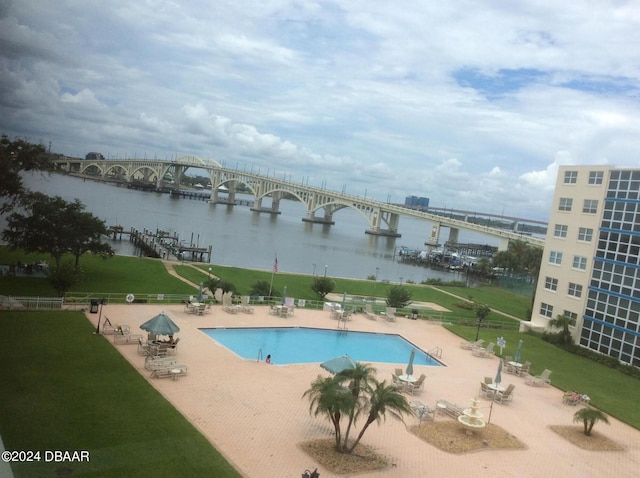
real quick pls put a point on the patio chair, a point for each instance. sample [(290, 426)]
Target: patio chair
[(488, 380), (422, 411), (284, 311), (143, 349), (540, 380), (173, 348), (399, 384), (391, 314), (471, 344), (485, 391), (506, 396), (368, 312), (524, 370), (416, 386), (487, 352)]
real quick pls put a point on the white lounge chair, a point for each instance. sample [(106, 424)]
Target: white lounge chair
[(471, 344), (487, 352), (540, 380)]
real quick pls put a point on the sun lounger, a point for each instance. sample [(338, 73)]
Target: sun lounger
[(128, 339), (540, 380), (155, 363), (471, 344), (480, 352), (368, 312), (173, 371)]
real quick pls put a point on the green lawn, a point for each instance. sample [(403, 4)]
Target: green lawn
[(67, 389)]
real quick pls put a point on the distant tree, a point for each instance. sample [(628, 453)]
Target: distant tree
[(55, 226), (398, 297), (260, 288), (63, 277), (563, 322), (15, 157), (481, 311), (322, 286), (589, 416)]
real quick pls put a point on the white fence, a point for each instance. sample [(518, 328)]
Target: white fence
[(31, 303)]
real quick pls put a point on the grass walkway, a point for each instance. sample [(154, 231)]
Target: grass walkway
[(67, 389)]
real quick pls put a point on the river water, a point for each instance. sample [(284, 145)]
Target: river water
[(247, 239)]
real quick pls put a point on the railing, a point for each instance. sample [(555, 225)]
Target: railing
[(435, 352), (31, 303)]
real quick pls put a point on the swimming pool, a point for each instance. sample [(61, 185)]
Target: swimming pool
[(288, 345)]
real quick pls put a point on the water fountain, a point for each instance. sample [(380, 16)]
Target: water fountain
[(471, 418)]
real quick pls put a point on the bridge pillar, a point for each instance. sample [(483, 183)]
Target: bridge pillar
[(503, 244), (327, 219), (391, 220), (453, 234), (434, 238), (275, 204)]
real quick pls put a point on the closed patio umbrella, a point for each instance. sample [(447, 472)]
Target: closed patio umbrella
[(161, 324), (409, 370), (516, 357), (338, 364), (499, 374)]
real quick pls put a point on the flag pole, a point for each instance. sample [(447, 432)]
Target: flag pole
[(273, 271)]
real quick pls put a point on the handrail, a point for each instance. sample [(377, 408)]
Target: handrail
[(435, 352), (259, 355)]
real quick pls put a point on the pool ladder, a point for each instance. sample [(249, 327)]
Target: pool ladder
[(342, 321), (259, 355), (435, 352)]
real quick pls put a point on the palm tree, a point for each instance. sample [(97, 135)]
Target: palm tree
[(563, 322), (360, 379), (329, 397), (589, 416), (383, 398)]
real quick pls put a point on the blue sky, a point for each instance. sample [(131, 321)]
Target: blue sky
[(473, 104)]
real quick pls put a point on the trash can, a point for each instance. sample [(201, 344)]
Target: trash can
[(414, 314), (94, 306)]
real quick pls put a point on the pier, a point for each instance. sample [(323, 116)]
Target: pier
[(163, 244)]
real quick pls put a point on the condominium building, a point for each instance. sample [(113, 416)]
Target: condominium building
[(590, 267)]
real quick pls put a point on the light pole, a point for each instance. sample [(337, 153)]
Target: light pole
[(478, 331), (314, 270), (209, 273), (102, 301), (325, 270)]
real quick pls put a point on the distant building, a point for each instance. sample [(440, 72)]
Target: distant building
[(93, 156), (415, 201), (590, 268)]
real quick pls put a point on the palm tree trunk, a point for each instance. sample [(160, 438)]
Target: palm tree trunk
[(370, 420)]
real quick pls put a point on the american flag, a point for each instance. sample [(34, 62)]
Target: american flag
[(275, 265)]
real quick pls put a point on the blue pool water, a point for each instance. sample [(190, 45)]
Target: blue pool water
[(289, 345)]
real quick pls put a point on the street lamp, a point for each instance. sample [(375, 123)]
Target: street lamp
[(209, 272), (325, 270), (377, 269), (314, 270), (478, 331), (102, 301)]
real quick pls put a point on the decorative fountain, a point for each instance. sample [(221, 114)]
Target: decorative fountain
[(471, 418)]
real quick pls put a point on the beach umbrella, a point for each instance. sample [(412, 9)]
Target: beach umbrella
[(409, 370), (161, 324), (499, 374), (338, 364), (516, 357)]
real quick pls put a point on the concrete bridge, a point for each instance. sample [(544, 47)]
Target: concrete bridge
[(321, 204)]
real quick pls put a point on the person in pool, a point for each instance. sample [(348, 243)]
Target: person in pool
[(268, 359)]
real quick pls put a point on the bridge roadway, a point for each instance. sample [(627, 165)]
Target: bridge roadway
[(383, 218)]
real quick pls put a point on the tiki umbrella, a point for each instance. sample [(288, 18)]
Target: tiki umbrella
[(516, 357), (409, 370), (161, 324), (338, 364), (499, 374)]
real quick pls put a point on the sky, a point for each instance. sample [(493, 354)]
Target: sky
[(473, 104)]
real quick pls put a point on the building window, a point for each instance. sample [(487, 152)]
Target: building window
[(565, 204), (571, 315), (560, 230), (570, 177), (546, 310), (580, 262), (550, 283), (595, 177), (555, 257), (575, 290), (590, 206), (585, 234)]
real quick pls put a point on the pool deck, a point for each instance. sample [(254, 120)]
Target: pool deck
[(255, 415)]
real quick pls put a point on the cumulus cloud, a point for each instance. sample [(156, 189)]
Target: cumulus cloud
[(473, 105)]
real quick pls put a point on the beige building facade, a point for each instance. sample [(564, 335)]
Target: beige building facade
[(590, 268)]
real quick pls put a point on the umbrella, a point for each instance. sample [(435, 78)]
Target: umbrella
[(409, 370), (499, 374), (161, 324), (338, 364), (201, 295), (344, 300), (516, 357)]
